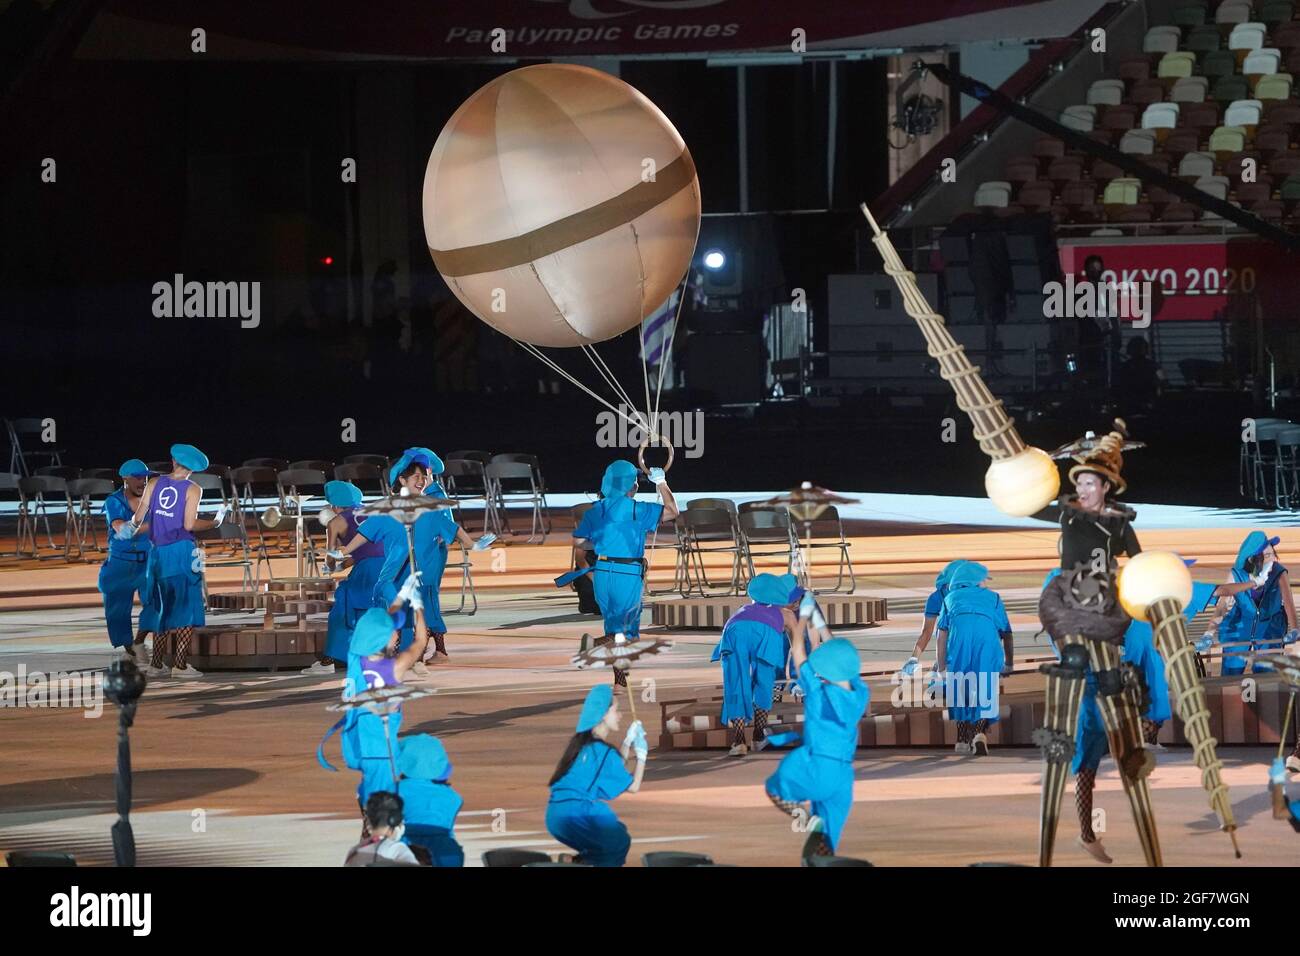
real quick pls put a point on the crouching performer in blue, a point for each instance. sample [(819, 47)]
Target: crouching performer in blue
[(590, 774), (616, 527), (374, 661), (820, 770), (973, 629), (753, 651), (126, 572), (431, 804)]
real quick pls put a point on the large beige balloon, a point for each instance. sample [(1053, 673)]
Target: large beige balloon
[(560, 205)]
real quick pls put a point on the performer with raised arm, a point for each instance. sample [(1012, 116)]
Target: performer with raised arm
[(820, 770), (169, 505), (126, 571), (616, 527), (354, 595), (591, 772)]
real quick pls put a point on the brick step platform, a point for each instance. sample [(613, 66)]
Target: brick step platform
[(706, 613), (1236, 717), (243, 648)]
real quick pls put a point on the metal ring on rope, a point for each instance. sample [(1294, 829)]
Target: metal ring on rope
[(640, 454)]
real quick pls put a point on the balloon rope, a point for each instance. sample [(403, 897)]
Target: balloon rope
[(612, 381), (551, 364), (666, 356)]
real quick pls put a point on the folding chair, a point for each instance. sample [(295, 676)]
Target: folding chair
[(9, 485), (767, 533), (1286, 471), (232, 535), (466, 583), (1265, 458), (538, 480), (709, 531), (362, 474), (66, 472), (108, 473), (467, 479), (827, 531), (245, 483), (482, 457), (85, 496), (33, 499), (163, 467), (681, 559), (311, 464), (513, 482), (302, 481), (18, 428)]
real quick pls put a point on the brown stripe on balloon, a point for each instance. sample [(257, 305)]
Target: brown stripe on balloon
[(571, 230)]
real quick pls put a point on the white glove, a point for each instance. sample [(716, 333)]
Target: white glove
[(1204, 644), (807, 605), (410, 592), (630, 737), (818, 621), (657, 476), (126, 530), (416, 601), (337, 556), (639, 745), (220, 516), (485, 542), (909, 668)]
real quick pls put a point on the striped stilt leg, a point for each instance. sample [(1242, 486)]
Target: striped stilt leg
[(1120, 714), (1065, 682)]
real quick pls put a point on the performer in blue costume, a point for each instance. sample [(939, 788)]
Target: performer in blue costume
[(972, 629), (433, 532), (126, 571), (1283, 808), (933, 607), (1262, 618), (616, 527), (590, 774), (431, 803), (374, 661), (169, 506), (820, 770), (753, 651), (354, 595)]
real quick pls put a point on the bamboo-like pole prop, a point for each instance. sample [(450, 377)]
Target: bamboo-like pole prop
[(994, 429), (1170, 629), (1065, 682)]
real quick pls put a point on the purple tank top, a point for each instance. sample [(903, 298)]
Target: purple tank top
[(371, 549), (167, 512), (762, 613), (378, 673)]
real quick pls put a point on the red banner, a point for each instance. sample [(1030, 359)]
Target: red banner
[(1194, 279)]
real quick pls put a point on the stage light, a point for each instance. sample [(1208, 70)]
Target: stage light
[(1023, 484), (714, 259), (1151, 576), (328, 260)]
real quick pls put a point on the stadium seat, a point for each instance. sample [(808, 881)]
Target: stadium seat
[(1161, 39), (1246, 36), (1275, 112), (1272, 139), (1148, 91), (1251, 194), (1138, 142), (1178, 63), (1229, 88), (1232, 11), (1106, 93), (1138, 212), (1280, 167), (1048, 147), (1199, 115), (1270, 210), (1262, 62), (1020, 169), (1196, 165), (1243, 113), (1120, 117), (1082, 117), (1286, 36), (1216, 186), (1136, 67), (1082, 193), (1179, 212), (1277, 11), (1190, 89), (1180, 141), (993, 194), (1228, 139), (1104, 171), (1275, 87), (1160, 116), (1203, 40), (1065, 169), (1190, 15), (1218, 63), (1122, 192), (1036, 196), (1290, 191)]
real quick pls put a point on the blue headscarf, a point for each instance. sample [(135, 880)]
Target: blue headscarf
[(373, 632), (415, 456), (187, 456), (424, 758), (945, 576), (836, 659), (619, 479), (968, 574), (599, 699), (770, 588), (342, 494), (1255, 542)]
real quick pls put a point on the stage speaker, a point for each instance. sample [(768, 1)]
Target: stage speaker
[(873, 299), (725, 320), (727, 368)]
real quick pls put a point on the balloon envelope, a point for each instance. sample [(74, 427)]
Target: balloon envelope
[(560, 205)]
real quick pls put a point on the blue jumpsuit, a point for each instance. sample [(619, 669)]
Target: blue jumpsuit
[(820, 770), (1257, 620), (578, 814), (616, 528), (124, 575), (430, 809), (975, 620), (434, 533), (353, 596), (752, 651)]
